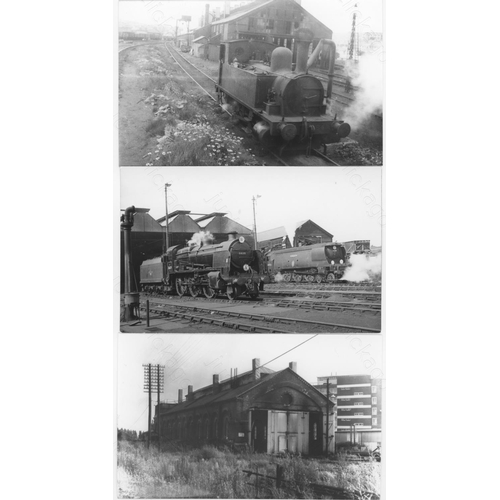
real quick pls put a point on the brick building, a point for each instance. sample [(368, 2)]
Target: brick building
[(268, 411)]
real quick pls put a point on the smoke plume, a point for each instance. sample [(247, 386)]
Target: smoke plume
[(201, 238), (364, 268), (368, 76)]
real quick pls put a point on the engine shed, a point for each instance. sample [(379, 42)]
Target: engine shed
[(266, 411)]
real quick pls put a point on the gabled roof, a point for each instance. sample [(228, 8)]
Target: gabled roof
[(230, 394), (243, 11), (257, 5), (221, 396), (300, 224)]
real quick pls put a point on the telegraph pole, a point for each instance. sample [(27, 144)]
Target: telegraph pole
[(327, 415), (153, 380)]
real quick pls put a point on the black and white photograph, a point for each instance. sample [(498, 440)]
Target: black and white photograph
[(250, 83), (250, 416), (257, 249)]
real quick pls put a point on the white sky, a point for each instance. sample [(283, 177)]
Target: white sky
[(336, 14), (193, 359), (344, 201)]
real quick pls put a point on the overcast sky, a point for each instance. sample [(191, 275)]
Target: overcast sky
[(193, 359), (336, 14), (346, 202)]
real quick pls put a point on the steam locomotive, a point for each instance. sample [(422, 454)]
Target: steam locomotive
[(231, 267), (319, 262), (283, 105)]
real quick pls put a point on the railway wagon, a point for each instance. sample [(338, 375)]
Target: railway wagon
[(319, 262), (283, 105), (231, 267)]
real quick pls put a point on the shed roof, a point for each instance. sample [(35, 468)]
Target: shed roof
[(271, 234)]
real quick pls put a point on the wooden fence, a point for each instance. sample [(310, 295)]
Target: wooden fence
[(263, 483)]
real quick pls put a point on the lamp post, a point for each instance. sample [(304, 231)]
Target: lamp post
[(166, 217), (254, 199)]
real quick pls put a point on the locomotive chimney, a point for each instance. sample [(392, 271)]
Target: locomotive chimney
[(293, 366), (256, 368), (180, 396), (232, 235), (303, 38)]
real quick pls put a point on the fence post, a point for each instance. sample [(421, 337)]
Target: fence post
[(279, 475)]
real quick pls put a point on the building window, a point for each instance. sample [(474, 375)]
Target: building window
[(374, 401), (315, 431), (374, 389), (296, 24), (288, 27), (374, 421), (270, 24), (216, 433), (374, 411), (251, 24)]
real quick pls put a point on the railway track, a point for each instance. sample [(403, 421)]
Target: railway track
[(245, 321)]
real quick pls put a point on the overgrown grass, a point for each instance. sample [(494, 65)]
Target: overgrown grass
[(210, 472)]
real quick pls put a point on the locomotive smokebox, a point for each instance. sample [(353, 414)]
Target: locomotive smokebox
[(303, 38), (281, 60)]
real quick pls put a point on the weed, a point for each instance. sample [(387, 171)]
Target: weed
[(155, 127)]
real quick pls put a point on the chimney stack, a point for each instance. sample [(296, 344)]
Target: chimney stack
[(293, 366), (256, 368), (180, 395), (190, 393), (216, 379)]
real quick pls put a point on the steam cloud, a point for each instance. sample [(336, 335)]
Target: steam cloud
[(368, 75), (278, 278), (364, 268), (201, 238)]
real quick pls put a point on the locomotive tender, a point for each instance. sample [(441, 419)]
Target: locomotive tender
[(319, 262), (282, 104), (231, 267)]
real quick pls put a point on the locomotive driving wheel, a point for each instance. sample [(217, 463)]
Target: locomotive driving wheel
[(310, 278), (179, 287), (286, 277), (194, 290), (318, 278), (298, 278), (330, 278), (208, 291)]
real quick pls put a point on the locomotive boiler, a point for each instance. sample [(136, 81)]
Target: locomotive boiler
[(319, 262), (282, 104), (231, 267)]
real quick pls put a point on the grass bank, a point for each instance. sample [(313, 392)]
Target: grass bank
[(213, 473)]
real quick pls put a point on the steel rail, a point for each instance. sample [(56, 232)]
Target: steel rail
[(278, 319)]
